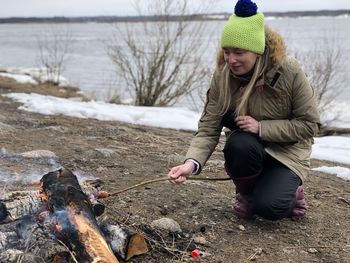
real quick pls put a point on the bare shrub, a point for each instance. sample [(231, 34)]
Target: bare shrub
[(324, 68), (54, 46), (161, 61)]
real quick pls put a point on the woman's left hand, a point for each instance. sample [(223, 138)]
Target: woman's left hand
[(247, 123)]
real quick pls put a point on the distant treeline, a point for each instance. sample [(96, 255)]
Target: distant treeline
[(114, 19)]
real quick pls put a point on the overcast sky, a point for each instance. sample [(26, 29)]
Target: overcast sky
[(10, 8)]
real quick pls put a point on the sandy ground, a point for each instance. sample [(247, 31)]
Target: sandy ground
[(203, 209)]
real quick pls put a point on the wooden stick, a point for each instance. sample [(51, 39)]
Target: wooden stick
[(104, 194)]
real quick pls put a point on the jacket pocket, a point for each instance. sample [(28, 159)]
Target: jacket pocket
[(276, 104)]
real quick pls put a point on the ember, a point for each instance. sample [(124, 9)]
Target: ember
[(61, 218)]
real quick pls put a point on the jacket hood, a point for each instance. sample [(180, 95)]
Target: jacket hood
[(275, 48)]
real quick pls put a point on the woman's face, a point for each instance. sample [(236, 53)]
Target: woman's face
[(240, 61)]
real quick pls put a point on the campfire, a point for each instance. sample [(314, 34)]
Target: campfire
[(59, 223)]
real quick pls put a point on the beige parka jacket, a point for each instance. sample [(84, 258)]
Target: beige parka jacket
[(283, 101)]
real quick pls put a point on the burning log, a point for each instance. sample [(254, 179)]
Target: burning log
[(74, 218), (28, 241), (58, 224), (17, 204)]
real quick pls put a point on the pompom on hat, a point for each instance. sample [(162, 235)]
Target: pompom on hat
[(245, 28)]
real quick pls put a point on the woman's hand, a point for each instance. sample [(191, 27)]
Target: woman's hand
[(180, 173), (248, 124)]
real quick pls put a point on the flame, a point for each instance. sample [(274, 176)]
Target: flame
[(58, 227), (94, 242), (41, 216), (42, 196), (45, 215)]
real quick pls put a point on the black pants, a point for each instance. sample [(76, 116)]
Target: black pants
[(273, 196)]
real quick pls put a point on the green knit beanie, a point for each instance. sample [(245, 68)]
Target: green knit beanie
[(245, 28)]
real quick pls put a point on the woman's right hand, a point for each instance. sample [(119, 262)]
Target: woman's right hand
[(180, 173)]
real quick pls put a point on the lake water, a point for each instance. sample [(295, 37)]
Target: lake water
[(90, 68)]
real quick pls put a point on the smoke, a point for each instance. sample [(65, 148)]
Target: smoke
[(61, 218), (26, 167), (83, 176), (29, 167)]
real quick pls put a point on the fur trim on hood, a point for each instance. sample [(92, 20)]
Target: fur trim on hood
[(274, 44)]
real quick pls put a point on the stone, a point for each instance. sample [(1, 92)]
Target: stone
[(166, 224), (200, 240), (241, 227), (103, 152), (312, 250)]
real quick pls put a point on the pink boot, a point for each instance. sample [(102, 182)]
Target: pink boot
[(300, 207), (244, 189), (242, 207)]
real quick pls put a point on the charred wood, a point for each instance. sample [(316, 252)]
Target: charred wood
[(31, 242), (18, 204), (27, 241), (58, 224), (74, 217)]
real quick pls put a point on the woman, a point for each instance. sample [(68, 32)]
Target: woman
[(264, 99)]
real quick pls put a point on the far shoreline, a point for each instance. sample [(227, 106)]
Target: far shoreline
[(192, 17)]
